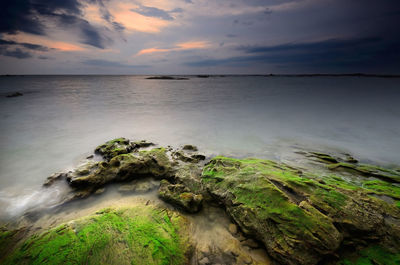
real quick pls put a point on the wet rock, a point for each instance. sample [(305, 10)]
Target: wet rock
[(113, 148), (350, 159), (233, 229), (189, 158), (139, 186), (369, 170), (204, 261), (100, 191), (54, 177), (90, 157), (282, 206), (189, 147), (141, 144), (180, 196), (250, 243), (121, 168), (324, 157), (167, 78), (190, 176)]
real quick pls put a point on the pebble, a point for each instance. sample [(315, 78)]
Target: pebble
[(233, 229)]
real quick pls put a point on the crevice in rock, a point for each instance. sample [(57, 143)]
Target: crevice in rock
[(292, 194)]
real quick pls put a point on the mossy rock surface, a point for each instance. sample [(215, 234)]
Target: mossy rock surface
[(114, 147), (300, 217), (373, 255), (140, 235), (124, 167), (180, 196)]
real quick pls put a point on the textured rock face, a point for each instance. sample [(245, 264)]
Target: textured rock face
[(114, 147), (299, 219), (180, 196), (124, 167)]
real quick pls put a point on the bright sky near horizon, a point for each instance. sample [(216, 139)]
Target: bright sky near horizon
[(199, 36)]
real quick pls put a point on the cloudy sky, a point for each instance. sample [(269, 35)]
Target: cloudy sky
[(199, 36)]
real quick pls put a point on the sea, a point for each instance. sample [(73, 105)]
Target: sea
[(60, 120)]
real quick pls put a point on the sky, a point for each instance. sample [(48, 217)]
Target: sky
[(199, 36)]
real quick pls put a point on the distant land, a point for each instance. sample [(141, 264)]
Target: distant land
[(173, 76)]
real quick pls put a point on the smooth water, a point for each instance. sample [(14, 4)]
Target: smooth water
[(61, 119)]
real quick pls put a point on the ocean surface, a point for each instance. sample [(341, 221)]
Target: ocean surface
[(59, 121)]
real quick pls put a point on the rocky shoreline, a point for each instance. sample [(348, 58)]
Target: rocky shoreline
[(343, 213)]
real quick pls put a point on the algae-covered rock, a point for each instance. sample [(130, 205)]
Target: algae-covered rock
[(114, 147), (299, 217), (8, 239), (351, 164), (141, 144), (189, 158), (374, 255), (189, 147), (180, 196), (140, 235), (369, 170), (154, 163)]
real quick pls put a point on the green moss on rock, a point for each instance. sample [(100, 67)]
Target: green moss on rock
[(153, 163), (114, 147), (301, 217), (140, 235), (373, 255), (369, 170)]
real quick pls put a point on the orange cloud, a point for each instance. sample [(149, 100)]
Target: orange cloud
[(178, 47), (136, 22), (152, 50), (193, 45)]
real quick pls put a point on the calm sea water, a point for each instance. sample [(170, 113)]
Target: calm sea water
[(60, 119)]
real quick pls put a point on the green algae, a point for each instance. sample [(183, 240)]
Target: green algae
[(140, 235), (382, 188), (268, 197), (281, 205), (369, 170), (374, 255), (114, 147)]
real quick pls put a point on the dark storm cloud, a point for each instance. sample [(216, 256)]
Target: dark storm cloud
[(106, 63), (19, 49), (323, 55), (17, 53), (22, 15), (6, 43), (312, 46), (154, 12), (25, 16)]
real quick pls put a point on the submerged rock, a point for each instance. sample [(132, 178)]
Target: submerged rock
[(144, 185), (139, 235), (164, 77), (53, 178), (189, 147), (180, 196), (299, 220)]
